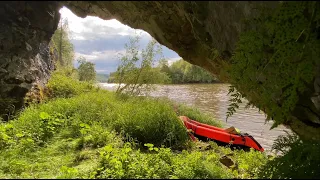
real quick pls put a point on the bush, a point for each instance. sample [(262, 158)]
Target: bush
[(151, 121), (146, 120), (96, 137), (300, 159), (63, 86), (246, 164), (157, 163)]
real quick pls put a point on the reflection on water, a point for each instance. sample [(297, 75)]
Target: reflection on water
[(213, 99)]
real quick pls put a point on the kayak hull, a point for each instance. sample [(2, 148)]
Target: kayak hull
[(219, 134)]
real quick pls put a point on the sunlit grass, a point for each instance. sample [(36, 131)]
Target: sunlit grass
[(99, 134)]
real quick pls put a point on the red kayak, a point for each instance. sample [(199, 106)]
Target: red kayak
[(219, 134)]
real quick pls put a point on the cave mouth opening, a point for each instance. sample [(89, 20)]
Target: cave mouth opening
[(100, 41)]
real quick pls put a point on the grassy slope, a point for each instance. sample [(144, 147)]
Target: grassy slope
[(95, 134)]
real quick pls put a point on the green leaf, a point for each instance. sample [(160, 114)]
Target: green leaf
[(44, 115), (108, 148), (8, 126), (19, 135), (148, 145)]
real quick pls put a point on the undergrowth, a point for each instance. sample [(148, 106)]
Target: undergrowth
[(299, 160), (98, 134)]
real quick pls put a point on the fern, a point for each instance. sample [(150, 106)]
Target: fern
[(299, 159), (234, 100), (283, 143)]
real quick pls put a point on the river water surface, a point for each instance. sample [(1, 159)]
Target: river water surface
[(213, 99)]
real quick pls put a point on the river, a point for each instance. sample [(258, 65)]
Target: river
[(213, 99)]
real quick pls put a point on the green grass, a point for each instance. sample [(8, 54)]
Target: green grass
[(70, 138), (98, 134), (130, 163), (196, 114), (63, 86), (147, 120)]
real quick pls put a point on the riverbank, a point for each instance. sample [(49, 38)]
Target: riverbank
[(213, 99), (87, 132)]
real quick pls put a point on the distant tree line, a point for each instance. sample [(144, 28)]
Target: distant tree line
[(102, 78), (178, 72), (136, 70), (183, 72)]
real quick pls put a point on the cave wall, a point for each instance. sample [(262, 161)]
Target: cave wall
[(25, 60)]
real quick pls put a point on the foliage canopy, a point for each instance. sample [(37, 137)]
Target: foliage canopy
[(277, 60)]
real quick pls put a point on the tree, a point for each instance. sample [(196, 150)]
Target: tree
[(111, 78), (164, 66), (61, 42), (184, 72), (136, 73), (86, 70), (196, 74), (102, 78)]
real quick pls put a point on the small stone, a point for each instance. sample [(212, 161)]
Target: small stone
[(225, 160)]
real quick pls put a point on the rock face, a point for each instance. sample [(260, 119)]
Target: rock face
[(25, 31)]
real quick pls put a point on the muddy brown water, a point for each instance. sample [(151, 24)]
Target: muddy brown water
[(213, 99)]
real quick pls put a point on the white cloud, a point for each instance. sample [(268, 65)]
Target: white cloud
[(91, 27), (100, 55), (123, 34), (100, 41), (172, 60)]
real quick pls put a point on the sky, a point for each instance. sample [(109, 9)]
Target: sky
[(100, 41)]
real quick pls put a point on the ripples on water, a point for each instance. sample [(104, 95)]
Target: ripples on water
[(213, 99)]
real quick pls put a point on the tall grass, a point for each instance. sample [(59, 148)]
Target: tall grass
[(159, 163), (146, 120), (196, 114), (63, 84), (92, 133)]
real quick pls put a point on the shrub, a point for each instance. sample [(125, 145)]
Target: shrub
[(249, 163), (68, 173), (151, 121), (157, 163), (143, 119), (300, 159), (96, 137), (63, 86)]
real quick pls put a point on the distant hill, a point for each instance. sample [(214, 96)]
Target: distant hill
[(102, 78)]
